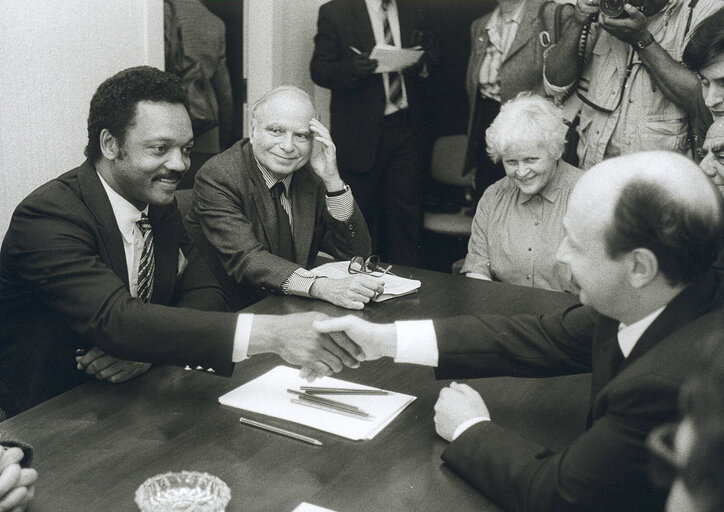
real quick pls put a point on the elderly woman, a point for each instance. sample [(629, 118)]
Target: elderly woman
[(517, 225), (506, 57)]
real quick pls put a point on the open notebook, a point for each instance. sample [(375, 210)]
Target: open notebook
[(268, 395), (395, 286)]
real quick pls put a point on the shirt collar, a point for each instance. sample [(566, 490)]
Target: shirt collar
[(270, 180), (551, 192), (376, 5), (515, 17), (125, 213), (629, 335)]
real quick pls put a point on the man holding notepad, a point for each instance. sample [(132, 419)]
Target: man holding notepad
[(376, 118), (641, 235)]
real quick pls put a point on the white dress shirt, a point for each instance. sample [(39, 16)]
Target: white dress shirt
[(377, 16), (417, 344), (126, 216)]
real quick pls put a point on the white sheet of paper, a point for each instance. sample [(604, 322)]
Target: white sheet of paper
[(308, 507), (395, 286), (391, 58), (268, 395)]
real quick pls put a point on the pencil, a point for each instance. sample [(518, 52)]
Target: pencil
[(312, 390), (325, 401), (281, 431), (360, 415)]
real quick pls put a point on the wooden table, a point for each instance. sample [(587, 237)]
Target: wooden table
[(95, 444)]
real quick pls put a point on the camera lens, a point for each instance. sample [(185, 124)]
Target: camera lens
[(612, 8)]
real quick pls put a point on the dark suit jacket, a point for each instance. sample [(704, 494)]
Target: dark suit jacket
[(64, 286), (234, 212), (606, 467), (358, 105)]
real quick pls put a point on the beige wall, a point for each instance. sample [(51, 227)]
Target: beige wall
[(53, 55), (278, 45)]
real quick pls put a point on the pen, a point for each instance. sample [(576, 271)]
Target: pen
[(281, 431), (360, 415), (312, 390), (355, 50), (326, 401)]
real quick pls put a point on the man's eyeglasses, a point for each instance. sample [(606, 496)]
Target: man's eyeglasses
[(666, 462), (371, 266)]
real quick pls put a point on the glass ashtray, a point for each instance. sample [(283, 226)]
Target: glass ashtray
[(185, 491)]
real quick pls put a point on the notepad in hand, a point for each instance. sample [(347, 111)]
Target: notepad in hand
[(395, 286), (268, 395)]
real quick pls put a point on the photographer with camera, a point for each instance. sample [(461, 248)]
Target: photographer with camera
[(623, 59)]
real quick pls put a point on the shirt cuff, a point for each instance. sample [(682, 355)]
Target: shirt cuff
[(466, 425), (340, 207), (416, 342), (476, 275), (298, 283), (241, 337)]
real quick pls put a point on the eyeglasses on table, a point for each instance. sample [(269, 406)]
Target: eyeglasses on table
[(371, 266)]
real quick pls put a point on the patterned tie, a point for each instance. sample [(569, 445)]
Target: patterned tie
[(284, 230), (395, 79), (148, 265)]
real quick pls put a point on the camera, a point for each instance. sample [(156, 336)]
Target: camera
[(612, 8), (615, 8)]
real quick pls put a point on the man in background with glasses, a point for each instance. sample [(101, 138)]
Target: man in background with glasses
[(635, 94), (641, 234), (265, 207)]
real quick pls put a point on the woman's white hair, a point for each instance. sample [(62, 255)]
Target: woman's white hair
[(529, 119)]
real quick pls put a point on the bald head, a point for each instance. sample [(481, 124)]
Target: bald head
[(713, 162), (287, 94), (656, 200)]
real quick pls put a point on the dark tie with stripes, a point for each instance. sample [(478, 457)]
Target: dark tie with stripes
[(395, 79), (148, 265), (284, 230)]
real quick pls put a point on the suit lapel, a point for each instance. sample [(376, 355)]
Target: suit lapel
[(406, 16), (262, 199), (165, 253), (602, 353), (303, 212), (362, 25), (95, 197), (525, 29), (692, 302)]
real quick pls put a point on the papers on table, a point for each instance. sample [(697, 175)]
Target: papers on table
[(268, 395), (391, 58), (395, 286), (308, 507)]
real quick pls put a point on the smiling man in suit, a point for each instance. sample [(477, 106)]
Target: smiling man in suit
[(93, 260), (265, 207), (641, 234)]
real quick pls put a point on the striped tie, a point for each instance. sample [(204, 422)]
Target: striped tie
[(395, 89), (147, 265)]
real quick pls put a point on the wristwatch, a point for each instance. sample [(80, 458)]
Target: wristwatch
[(336, 193), (643, 43)]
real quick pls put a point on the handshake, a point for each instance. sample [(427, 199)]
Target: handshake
[(320, 344)]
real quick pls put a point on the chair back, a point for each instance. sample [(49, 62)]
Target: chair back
[(448, 156)]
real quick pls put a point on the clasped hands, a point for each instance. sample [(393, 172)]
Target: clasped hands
[(457, 404), (17, 485)]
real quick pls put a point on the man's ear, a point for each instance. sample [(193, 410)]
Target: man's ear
[(110, 147), (643, 267)]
